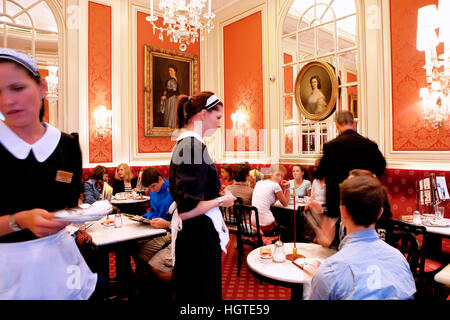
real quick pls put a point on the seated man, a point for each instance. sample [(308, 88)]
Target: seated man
[(240, 187), (157, 252), (365, 267)]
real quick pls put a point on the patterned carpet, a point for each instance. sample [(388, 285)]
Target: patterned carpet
[(244, 287)]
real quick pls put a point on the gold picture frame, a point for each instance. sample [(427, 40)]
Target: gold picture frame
[(167, 74), (316, 90), (354, 105)]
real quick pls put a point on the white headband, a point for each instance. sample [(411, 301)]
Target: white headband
[(211, 102), (20, 58)]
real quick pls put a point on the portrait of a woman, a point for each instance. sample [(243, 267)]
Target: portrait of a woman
[(169, 98), (316, 101)]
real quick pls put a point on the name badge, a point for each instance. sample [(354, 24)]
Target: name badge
[(64, 176)]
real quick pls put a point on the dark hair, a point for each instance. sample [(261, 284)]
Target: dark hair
[(36, 78), (319, 85), (98, 172), (240, 172), (360, 173), (149, 176), (344, 118), (305, 172), (363, 197), (189, 106), (173, 67), (228, 169)]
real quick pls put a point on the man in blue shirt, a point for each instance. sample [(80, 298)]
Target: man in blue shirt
[(365, 267), (157, 252)]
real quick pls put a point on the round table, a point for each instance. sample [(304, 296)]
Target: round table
[(286, 273), (131, 206)]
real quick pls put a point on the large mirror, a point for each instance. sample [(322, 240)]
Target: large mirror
[(324, 31), (29, 26)]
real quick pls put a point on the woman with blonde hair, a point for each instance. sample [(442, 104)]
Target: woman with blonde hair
[(124, 181)]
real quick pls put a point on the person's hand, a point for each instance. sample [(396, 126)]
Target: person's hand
[(314, 206), (228, 199), (159, 223), (285, 184), (40, 222)]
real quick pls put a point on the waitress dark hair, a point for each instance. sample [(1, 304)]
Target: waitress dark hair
[(189, 106)]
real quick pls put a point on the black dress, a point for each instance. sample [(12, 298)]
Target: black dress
[(29, 184), (193, 178)]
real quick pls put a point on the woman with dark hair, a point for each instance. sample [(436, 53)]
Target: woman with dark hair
[(169, 98), (195, 186), (316, 101), (226, 175), (37, 255), (93, 187), (300, 182)]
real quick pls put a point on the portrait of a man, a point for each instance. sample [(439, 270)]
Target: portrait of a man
[(316, 90), (168, 74)]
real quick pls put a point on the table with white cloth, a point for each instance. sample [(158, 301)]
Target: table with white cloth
[(131, 205), (120, 240), (286, 273)]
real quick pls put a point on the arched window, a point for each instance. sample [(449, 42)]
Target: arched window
[(323, 31), (29, 26)]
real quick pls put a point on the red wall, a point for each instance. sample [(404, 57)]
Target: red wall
[(145, 36), (410, 132), (99, 76), (243, 82)]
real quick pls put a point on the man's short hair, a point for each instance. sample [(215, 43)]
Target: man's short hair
[(240, 172), (149, 176), (344, 118), (363, 197)]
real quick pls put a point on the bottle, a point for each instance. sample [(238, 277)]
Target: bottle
[(118, 220), (416, 217)]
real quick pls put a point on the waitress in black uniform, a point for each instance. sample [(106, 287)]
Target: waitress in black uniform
[(42, 174), (195, 186)]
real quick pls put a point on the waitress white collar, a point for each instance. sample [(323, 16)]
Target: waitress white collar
[(190, 133), (42, 149)]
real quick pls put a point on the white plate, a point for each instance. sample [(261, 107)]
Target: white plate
[(79, 219)]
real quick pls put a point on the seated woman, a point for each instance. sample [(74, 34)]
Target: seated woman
[(240, 187), (226, 173), (124, 181), (93, 187), (318, 187), (300, 182), (265, 194)]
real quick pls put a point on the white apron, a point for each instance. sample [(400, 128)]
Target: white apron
[(49, 268)]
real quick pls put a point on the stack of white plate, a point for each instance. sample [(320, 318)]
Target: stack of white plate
[(78, 215)]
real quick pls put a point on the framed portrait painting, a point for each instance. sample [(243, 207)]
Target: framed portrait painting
[(316, 90), (167, 74)]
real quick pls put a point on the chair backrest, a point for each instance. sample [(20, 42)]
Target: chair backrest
[(247, 222), (403, 236), (228, 215)]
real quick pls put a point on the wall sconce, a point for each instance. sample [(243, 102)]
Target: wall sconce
[(103, 125), (239, 119), (436, 98), (52, 82)]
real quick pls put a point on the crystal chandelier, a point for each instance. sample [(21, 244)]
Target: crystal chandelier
[(182, 22), (435, 97)]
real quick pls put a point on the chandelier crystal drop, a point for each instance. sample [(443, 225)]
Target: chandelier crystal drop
[(182, 22)]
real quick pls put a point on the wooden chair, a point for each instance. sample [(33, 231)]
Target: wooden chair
[(403, 236), (229, 218), (246, 232)]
